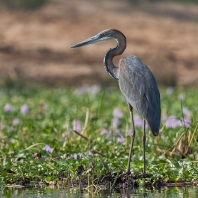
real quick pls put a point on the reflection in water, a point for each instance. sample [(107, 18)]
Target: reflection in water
[(171, 192)]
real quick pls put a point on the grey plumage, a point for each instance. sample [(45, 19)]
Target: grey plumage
[(143, 94), (136, 82)]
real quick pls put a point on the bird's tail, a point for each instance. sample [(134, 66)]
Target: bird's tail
[(155, 133)]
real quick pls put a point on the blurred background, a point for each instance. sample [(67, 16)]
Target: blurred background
[(36, 35)]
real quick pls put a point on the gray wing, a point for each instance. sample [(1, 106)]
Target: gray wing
[(139, 87)]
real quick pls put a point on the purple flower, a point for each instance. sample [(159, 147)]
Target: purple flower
[(169, 90), (82, 89), (186, 111), (173, 122), (104, 131), (181, 96), (8, 107), (164, 116), (77, 125), (15, 121), (186, 122), (24, 109), (120, 139), (94, 89), (115, 122), (66, 134), (129, 132), (89, 153), (45, 106), (138, 121), (76, 155), (117, 113), (47, 148)]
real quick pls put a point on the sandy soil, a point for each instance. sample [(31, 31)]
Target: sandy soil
[(34, 45)]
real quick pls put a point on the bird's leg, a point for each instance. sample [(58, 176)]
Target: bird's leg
[(132, 138), (143, 144)]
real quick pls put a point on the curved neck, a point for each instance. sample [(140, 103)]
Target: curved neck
[(118, 50)]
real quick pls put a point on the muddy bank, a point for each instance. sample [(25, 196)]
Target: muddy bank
[(34, 45)]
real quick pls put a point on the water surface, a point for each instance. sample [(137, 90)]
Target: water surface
[(171, 192)]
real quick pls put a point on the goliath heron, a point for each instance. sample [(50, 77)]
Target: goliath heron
[(136, 82)]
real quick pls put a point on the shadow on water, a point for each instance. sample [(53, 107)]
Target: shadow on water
[(168, 192)]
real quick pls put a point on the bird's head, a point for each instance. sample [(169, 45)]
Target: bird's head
[(100, 37)]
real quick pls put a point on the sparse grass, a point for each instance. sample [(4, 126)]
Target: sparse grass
[(38, 143)]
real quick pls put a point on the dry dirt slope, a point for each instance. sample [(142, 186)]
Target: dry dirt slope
[(35, 45)]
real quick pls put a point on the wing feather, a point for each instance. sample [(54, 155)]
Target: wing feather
[(139, 87)]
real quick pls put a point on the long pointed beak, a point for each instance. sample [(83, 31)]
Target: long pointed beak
[(91, 40)]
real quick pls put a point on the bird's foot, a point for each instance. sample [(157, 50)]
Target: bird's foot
[(143, 175), (125, 174), (128, 174), (128, 180), (125, 180)]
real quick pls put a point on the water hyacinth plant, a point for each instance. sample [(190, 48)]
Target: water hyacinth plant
[(8, 107), (24, 109), (39, 144), (48, 149)]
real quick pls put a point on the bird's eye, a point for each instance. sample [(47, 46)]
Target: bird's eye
[(103, 34)]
